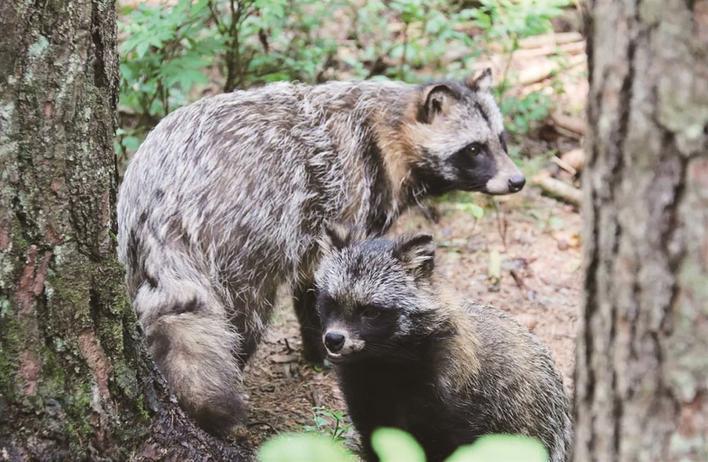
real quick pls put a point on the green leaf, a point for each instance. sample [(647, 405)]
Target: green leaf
[(481, 19), (131, 143), (473, 209), (394, 445), (304, 447), (506, 448), (118, 148)]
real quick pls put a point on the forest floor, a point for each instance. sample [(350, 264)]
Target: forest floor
[(538, 241)]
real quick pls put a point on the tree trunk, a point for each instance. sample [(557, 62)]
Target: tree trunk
[(75, 382), (642, 360)]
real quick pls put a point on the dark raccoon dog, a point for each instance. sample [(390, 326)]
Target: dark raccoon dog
[(227, 197), (408, 357)]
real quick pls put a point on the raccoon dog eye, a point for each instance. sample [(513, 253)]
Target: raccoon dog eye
[(370, 313), (474, 148)]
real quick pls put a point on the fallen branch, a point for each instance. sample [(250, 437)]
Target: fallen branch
[(572, 48), (537, 73), (564, 165), (558, 189), (559, 38), (575, 158), (546, 69), (573, 126)]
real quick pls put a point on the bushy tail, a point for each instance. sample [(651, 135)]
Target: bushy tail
[(195, 347)]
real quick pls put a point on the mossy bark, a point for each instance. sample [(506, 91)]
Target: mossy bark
[(75, 382), (642, 362)]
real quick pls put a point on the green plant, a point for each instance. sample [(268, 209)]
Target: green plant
[(504, 23), (271, 40), (522, 112), (507, 448), (303, 447), (330, 421), (170, 55), (465, 202), (229, 26), (163, 57), (164, 54), (393, 445), (424, 34)]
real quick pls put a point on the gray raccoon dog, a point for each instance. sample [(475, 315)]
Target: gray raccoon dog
[(407, 356), (227, 197)]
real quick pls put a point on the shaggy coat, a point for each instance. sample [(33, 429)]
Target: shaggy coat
[(447, 372), (227, 197)]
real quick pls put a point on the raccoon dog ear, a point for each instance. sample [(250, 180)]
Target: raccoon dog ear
[(337, 236), (483, 82), (417, 254), (435, 99)]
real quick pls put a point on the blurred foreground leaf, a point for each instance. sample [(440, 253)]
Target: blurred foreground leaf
[(303, 447), (394, 445), (498, 448)]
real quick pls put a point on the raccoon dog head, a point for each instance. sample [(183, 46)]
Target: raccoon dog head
[(374, 296), (460, 141)]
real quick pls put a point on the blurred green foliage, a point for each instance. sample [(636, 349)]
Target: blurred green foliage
[(164, 54), (463, 201), (303, 447), (511, 20), (522, 112), (393, 445), (171, 55), (505, 22)]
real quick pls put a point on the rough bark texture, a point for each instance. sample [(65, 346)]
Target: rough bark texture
[(642, 362), (75, 382)]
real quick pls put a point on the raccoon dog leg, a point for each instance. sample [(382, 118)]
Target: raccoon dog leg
[(194, 347), (250, 319), (310, 327)]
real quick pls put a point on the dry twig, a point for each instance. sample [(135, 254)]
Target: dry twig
[(558, 189)]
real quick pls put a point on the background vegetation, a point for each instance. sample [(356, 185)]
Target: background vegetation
[(172, 55)]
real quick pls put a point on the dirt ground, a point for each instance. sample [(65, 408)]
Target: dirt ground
[(537, 239)]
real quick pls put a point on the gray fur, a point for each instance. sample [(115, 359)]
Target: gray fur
[(227, 197)]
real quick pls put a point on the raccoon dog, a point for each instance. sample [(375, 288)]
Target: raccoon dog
[(227, 197), (406, 356)]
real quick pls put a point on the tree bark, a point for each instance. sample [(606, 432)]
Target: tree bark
[(75, 382), (642, 358)]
